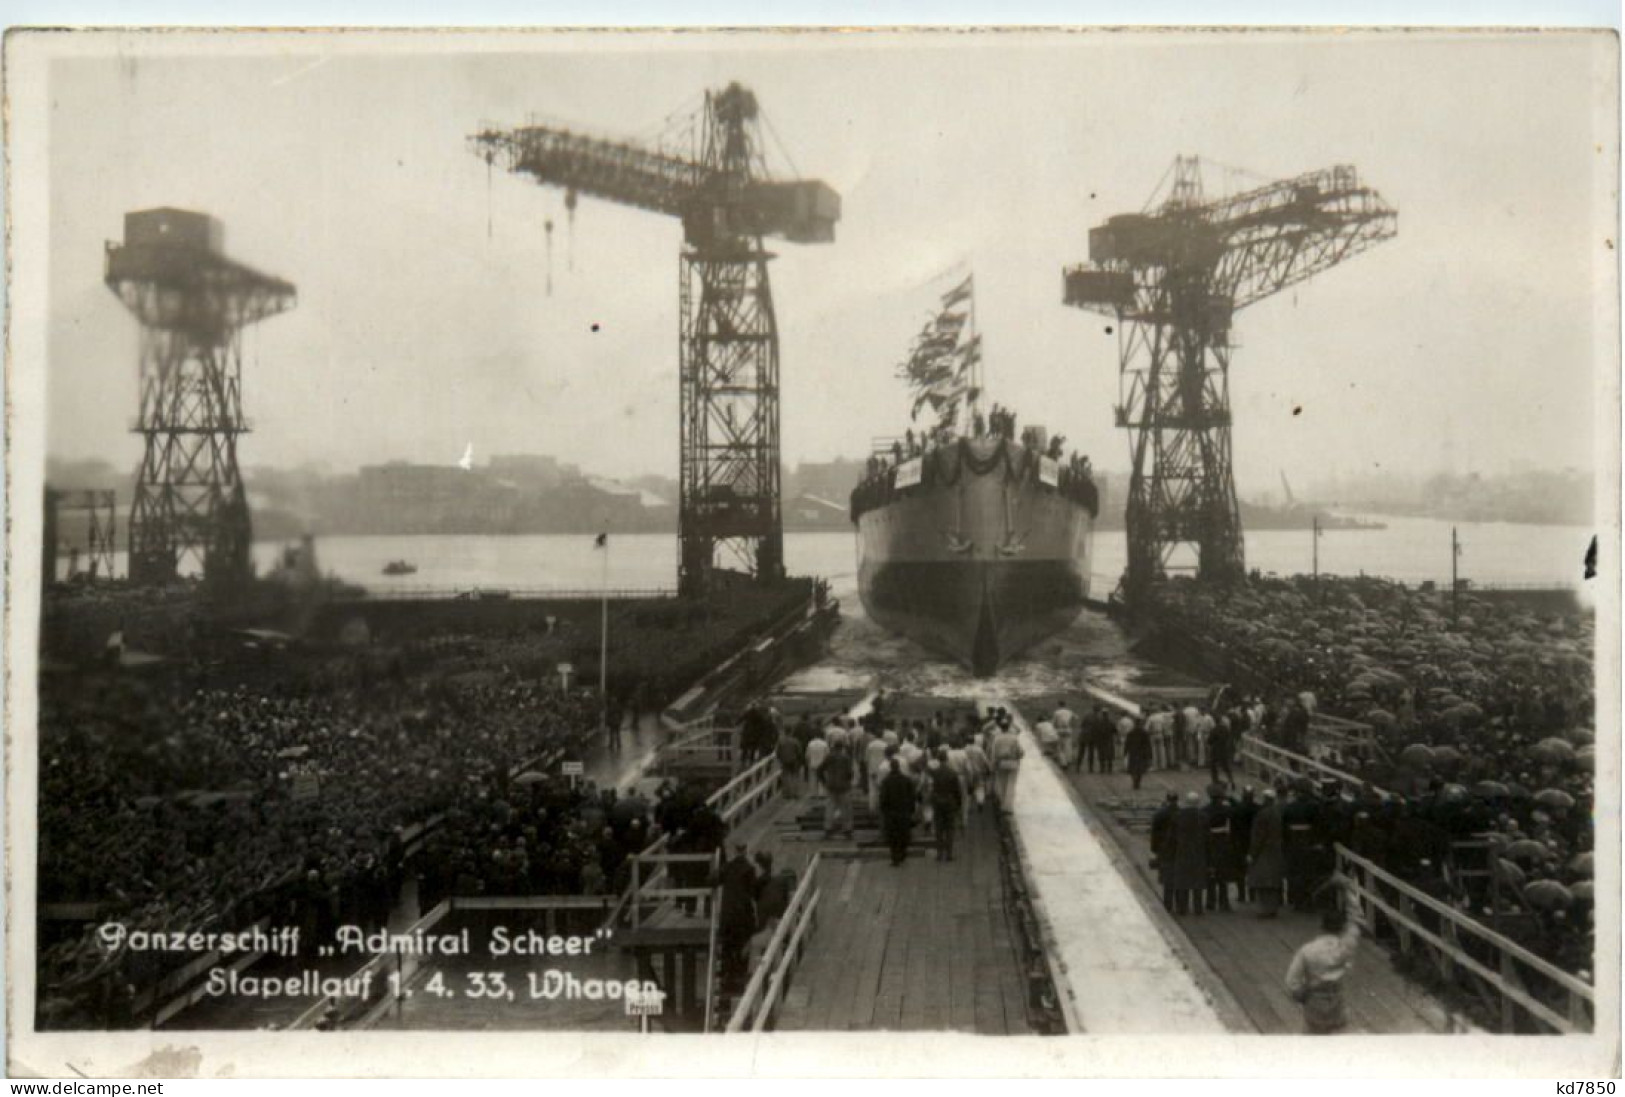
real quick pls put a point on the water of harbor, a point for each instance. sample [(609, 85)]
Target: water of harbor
[(1409, 549), (863, 655)]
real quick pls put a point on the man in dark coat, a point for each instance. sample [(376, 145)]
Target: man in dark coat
[(1162, 825), (1182, 732), (789, 752), (1242, 813), (757, 735), (947, 804), (1300, 817), (1220, 749), (736, 916), (1106, 744), (772, 891), (1266, 856), (1187, 841), (1218, 849), (1137, 752), (1295, 728), (896, 811)]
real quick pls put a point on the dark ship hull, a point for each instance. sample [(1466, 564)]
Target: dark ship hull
[(985, 555)]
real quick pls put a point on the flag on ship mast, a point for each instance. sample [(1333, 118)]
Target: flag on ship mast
[(940, 367)]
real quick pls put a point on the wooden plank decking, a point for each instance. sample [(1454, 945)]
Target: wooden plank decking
[(1250, 955), (924, 946)]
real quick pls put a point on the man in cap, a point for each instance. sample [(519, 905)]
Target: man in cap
[(836, 776), (1066, 726), (1318, 970)]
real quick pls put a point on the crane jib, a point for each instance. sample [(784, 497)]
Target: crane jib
[(728, 351)]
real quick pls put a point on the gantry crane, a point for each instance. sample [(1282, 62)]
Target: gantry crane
[(728, 342), (94, 513), (193, 304), (1173, 279)]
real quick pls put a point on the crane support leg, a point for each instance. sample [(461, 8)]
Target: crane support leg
[(189, 504), (1174, 382), (729, 506)]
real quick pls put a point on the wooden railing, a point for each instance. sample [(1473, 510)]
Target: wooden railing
[(1502, 966), (185, 986), (374, 974), (705, 898), (767, 983), (413, 593), (746, 669), (1353, 737), (1269, 760), (705, 746), (554, 909), (733, 802), (711, 964), (646, 890), (748, 791)]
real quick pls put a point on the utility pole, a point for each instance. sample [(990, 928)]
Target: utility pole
[(1316, 521), (603, 639), (1455, 583)]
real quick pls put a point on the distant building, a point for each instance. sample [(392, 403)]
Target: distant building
[(512, 494), (832, 480), (532, 469), (809, 513), (403, 498)]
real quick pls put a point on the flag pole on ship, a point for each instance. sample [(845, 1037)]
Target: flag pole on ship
[(976, 363)]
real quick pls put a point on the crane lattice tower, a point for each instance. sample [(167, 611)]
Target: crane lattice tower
[(97, 511), (1173, 279), (189, 508), (728, 339)]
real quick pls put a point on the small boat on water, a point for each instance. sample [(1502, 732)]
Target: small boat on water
[(400, 567)]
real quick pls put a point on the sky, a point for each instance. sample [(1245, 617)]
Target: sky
[(1467, 343)]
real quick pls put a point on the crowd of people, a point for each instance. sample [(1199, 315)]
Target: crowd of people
[(1471, 776), (554, 836), (187, 808), (1417, 666), (926, 775), (180, 809), (933, 771), (1073, 475)]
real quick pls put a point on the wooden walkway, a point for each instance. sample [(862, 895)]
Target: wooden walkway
[(923, 946), (1250, 955)]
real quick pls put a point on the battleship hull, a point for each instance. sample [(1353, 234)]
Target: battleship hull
[(981, 558)]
